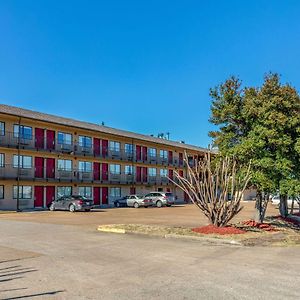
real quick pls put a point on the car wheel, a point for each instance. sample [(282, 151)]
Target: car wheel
[(159, 203), (136, 205), (168, 205), (146, 206), (87, 209), (117, 204), (52, 208), (72, 208)]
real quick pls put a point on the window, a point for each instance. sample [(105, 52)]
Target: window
[(152, 171), (85, 191), (152, 152), (114, 146), (64, 165), (1, 191), (115, 192), (163, 154), (85, 166), (25, 132), (64, 191), (163, 172), (25, 162), (128, 170), (85, 141), (64, 138), (2, 128), (2, 160), (115, 169), (25, 192), (128, 148)]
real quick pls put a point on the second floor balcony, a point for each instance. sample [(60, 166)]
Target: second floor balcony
[(54, 174)]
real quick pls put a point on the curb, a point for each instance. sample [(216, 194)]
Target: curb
[(112, 230), (173, 236)]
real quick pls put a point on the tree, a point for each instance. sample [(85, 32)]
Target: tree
[(261, 124), (211, 184)]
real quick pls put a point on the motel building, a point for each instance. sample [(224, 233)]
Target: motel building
[(43, 157)]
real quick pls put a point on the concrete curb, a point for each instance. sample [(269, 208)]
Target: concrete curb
[(112, 230), (204, 240)]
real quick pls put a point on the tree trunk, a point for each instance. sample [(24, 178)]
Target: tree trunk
[(283, 207), (292, 207), (258, 208), (261, 205)]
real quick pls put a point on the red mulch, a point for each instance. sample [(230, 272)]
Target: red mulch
[(263, 226), (212, 229)]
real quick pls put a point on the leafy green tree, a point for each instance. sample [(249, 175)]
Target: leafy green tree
[(261, 124)]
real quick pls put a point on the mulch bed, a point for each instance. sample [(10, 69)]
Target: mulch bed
[(263, 226), (212, 229)]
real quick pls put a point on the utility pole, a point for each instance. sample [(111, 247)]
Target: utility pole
[(18, 174)]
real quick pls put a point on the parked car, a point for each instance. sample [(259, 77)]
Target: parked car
[(160, 199), (136, 201), (72, 203), (122, 202), (276, 201)]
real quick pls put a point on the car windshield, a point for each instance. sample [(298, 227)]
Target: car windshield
[(169, 194), (139, 196)]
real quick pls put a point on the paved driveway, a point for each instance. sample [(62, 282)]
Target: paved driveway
[(180, 215), (50, 261)]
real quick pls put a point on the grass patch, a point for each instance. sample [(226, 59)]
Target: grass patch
[(285, 234)]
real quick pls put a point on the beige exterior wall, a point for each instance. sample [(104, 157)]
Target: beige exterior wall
[(10, 203)]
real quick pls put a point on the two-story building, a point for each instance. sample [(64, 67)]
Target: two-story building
[(44, 156)]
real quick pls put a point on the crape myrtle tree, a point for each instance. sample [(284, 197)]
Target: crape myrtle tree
[(261, 124), (211, 183)]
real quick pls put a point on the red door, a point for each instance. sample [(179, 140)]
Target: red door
[(104, 148), (104, 171), (39, 167), (96, 171), (138, 174), (39, 138), (96, 147), (50, 194), (50, 167), (145, 156), (171, 174), (50, 139), (170, 157), (96, 195), (180, 158), (132, 190), (145, 174), (138, 152), (38, 196), (168, 190), (105, 195)]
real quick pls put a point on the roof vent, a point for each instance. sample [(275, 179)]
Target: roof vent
[(182, 142)]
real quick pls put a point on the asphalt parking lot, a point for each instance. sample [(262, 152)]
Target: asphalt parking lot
[(178, 215), (55, 261)]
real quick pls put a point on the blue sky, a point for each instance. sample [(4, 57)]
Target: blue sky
[(143, 66)]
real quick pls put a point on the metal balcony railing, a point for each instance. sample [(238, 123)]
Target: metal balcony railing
[(75, 175), (32, 142), (13, 172)]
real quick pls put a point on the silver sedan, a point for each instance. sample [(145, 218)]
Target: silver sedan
[(136, 201)]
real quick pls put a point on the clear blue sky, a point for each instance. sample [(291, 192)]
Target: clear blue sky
[(143, 66)]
